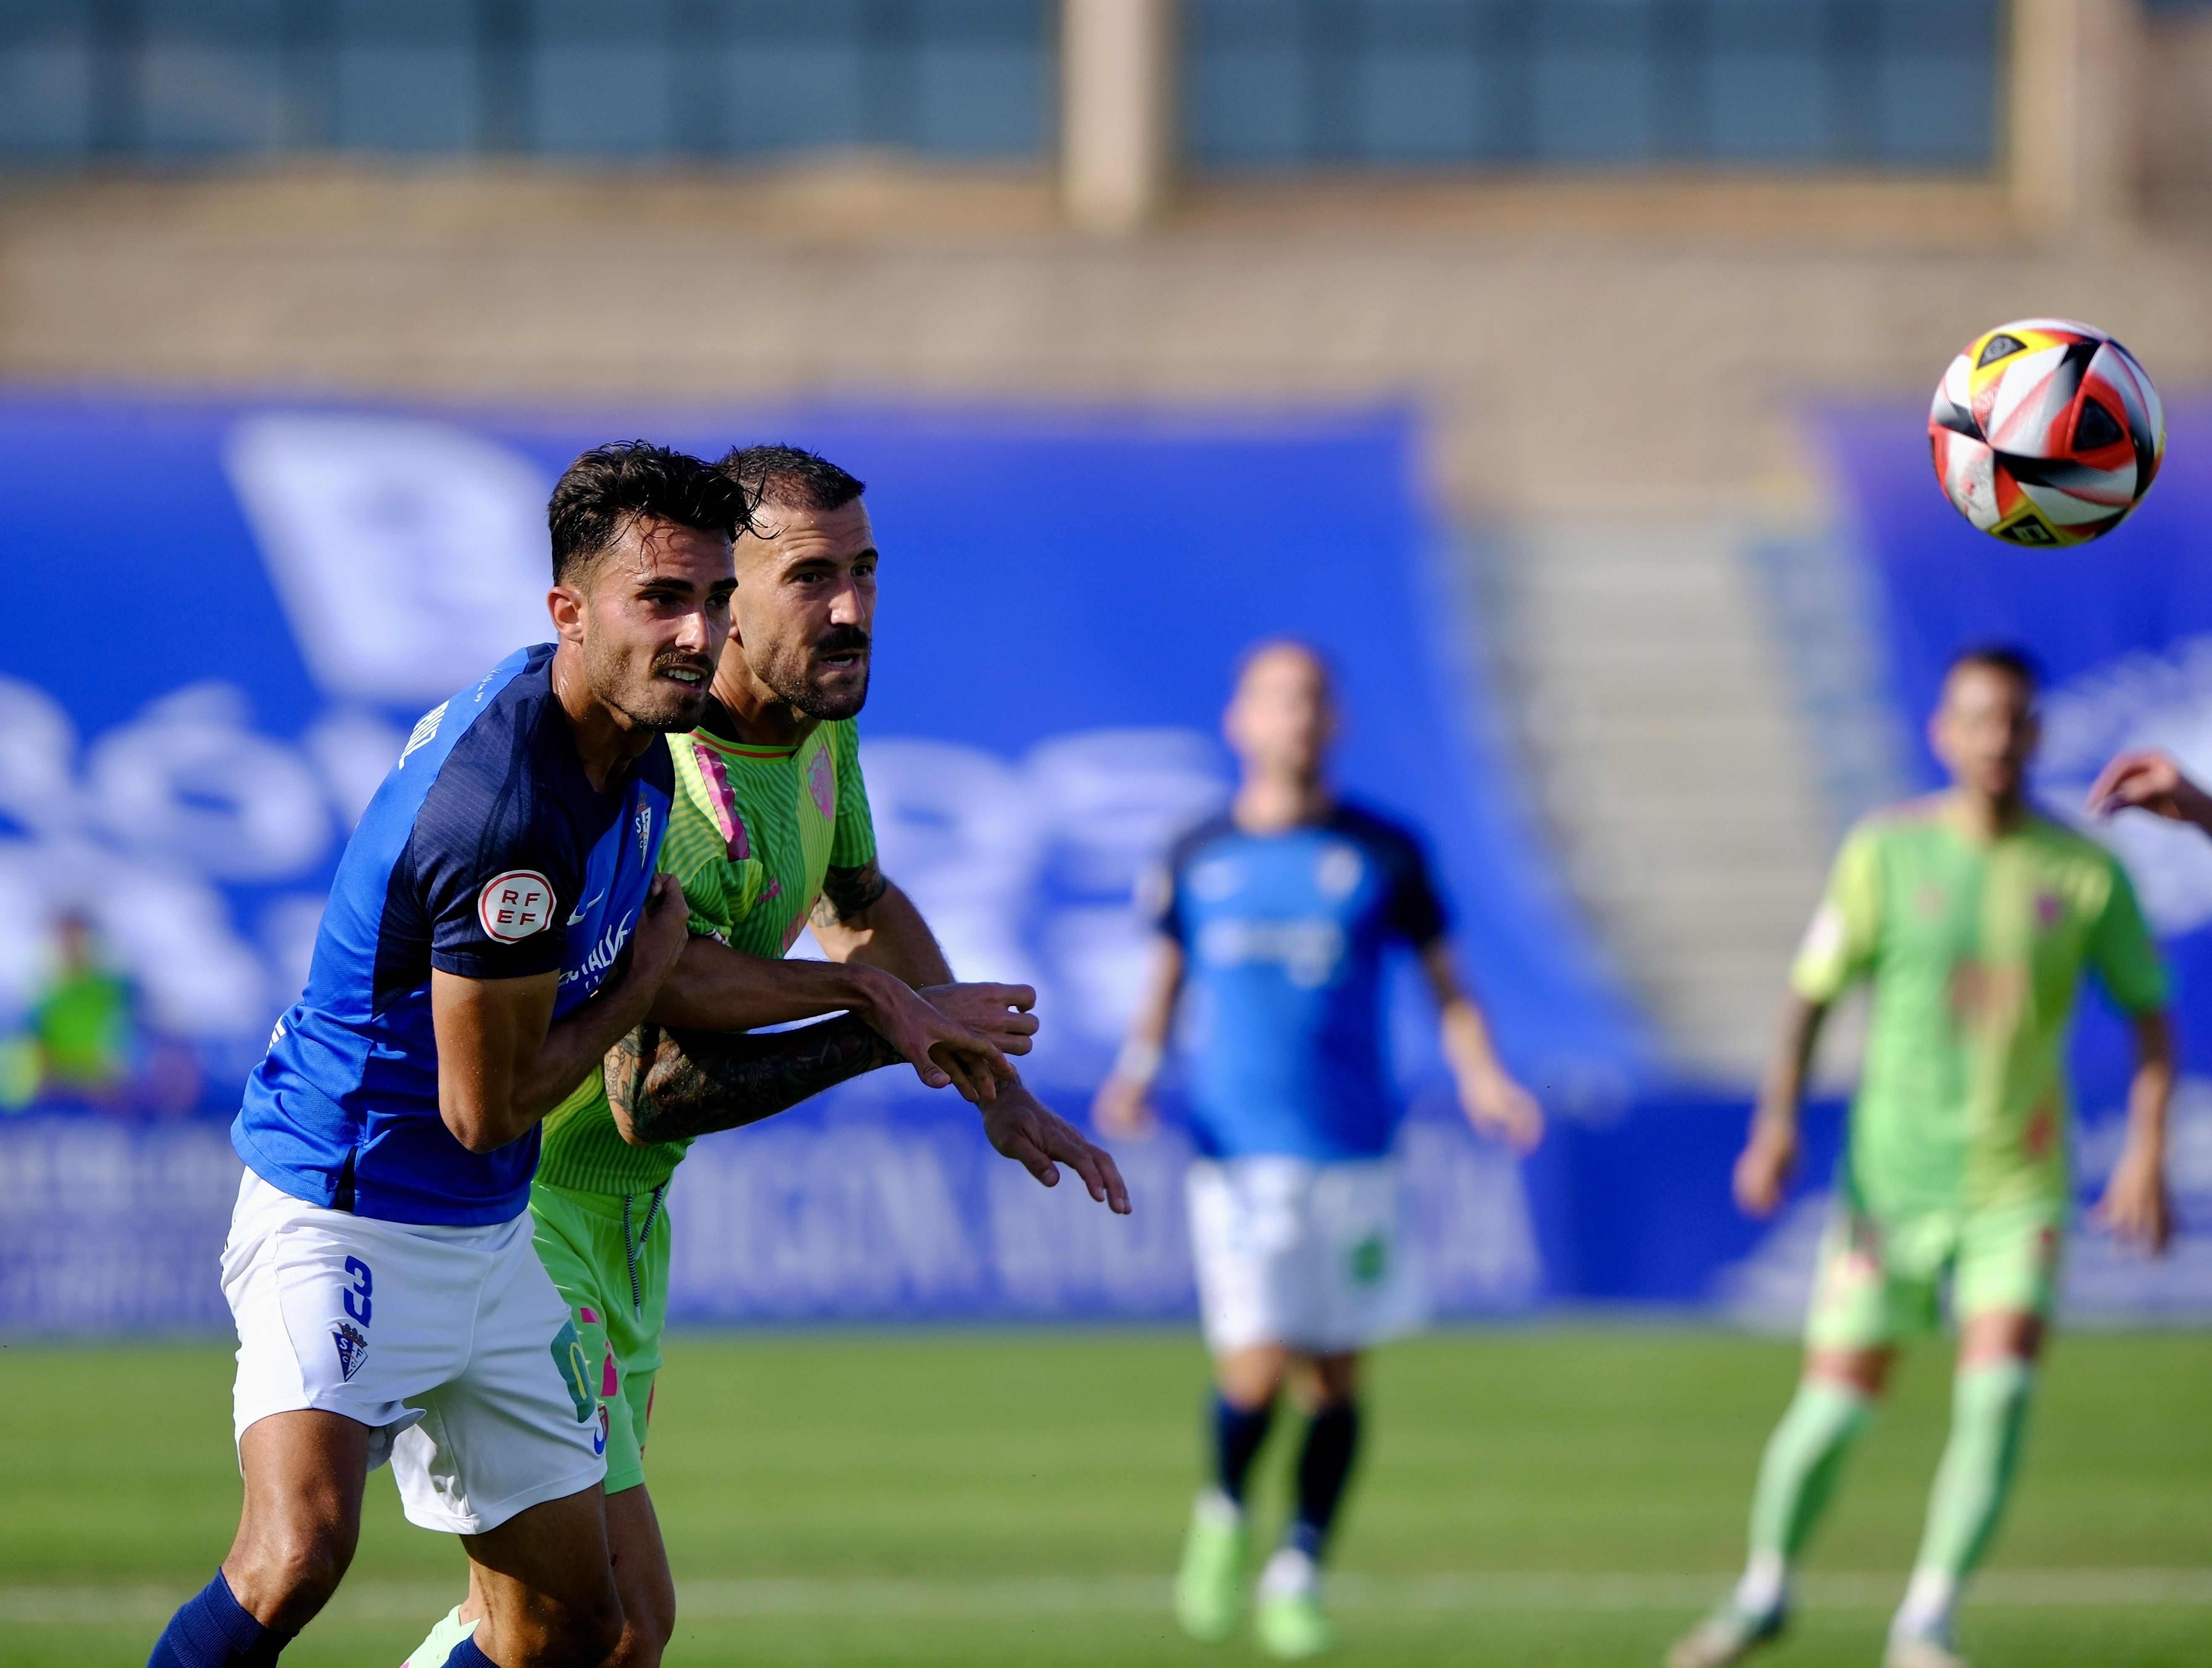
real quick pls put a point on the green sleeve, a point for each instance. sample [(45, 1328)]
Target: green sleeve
[(1839, 944), (2124, 953), (853, 839)]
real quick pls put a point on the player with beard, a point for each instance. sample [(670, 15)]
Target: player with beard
[(770, 829), (495, 924)]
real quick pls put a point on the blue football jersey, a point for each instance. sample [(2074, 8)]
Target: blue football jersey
[(486, 853), (1284, 938)]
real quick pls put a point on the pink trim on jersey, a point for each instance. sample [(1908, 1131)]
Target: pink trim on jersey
[(733, 826)]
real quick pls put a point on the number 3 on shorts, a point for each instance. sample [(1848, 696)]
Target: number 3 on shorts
[(357, 1294)]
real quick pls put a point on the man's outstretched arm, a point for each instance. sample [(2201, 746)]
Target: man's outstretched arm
[(670, 1084), (715, 988)]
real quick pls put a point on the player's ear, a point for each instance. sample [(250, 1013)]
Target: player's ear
[(565, 603)]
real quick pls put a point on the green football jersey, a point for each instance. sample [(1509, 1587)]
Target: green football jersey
[(1974, 950), (751, 834)]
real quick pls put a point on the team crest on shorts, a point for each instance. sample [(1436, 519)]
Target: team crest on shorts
[(599, 1436), (353, 1348)]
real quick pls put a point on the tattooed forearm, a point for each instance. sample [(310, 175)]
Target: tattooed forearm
[(666, 1085), (847, 892)]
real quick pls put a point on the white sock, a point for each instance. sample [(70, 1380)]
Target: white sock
[(1764, 1587), (1288, 1575), (1929, 1599)]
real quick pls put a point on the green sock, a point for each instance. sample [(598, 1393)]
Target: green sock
[(1796, 1478), (433, 1651), (1989, 1417)]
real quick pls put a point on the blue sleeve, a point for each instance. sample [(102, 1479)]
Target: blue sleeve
[(497, 869), (1413, 909)]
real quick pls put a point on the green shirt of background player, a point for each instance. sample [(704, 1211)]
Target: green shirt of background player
[(1973, 918), (769, 832)]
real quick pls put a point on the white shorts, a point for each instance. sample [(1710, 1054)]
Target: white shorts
[(1308, 1254), (449, 1343)]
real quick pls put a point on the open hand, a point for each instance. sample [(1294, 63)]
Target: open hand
[(1762, 1173), (1123, 1107), (2136, 1207), (999, 1013), (2149, 780), (1024, 1129), (939, 1047), (1498, 1105)]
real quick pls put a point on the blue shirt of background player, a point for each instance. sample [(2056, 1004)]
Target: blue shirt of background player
[(488, 809), (1284, 938)]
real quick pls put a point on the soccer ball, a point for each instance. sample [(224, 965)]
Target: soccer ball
[(2045, 432)]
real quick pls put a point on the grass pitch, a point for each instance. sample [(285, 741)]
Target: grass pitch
[(1561, 1497)]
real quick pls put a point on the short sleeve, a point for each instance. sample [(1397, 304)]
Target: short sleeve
[(2123, 952), (1838, 946), (1159, 899), (496, 897), (1413, 910), (853, 836)]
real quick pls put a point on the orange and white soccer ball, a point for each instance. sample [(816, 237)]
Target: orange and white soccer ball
[(2047, 432)]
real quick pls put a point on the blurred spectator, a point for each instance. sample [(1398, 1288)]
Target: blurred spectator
[(84, 1046)]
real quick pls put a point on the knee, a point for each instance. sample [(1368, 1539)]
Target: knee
[(285, 1575), (587, 1635)]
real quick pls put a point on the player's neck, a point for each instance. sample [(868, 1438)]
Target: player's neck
[(1983, 817), (747, 711), (1276, 804), (606, 739)]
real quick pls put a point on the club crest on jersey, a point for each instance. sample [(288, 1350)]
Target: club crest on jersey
[(353, 1348), (644, 835), (822, 782), (515, 905)]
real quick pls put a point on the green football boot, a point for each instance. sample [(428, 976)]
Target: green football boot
[(1209, 1593), (1727, 1635), (1290, 1621)]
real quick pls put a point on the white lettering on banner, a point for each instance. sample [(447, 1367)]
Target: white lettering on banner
[(409, 554), (1026, 871), (184, 794)]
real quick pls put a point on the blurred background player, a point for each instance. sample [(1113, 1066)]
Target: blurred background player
[(496, 924), (1972, 917), (80, 1040), (1276, 917), (770, 828)]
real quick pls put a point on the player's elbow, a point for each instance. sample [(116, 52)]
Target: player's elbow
[(479, 1130)]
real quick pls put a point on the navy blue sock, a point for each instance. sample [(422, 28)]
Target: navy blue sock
[(1324, 1464), (465, 1655), (212, 1630), (1237, 1434)]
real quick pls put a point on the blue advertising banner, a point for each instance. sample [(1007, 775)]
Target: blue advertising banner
[(227, 615)]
